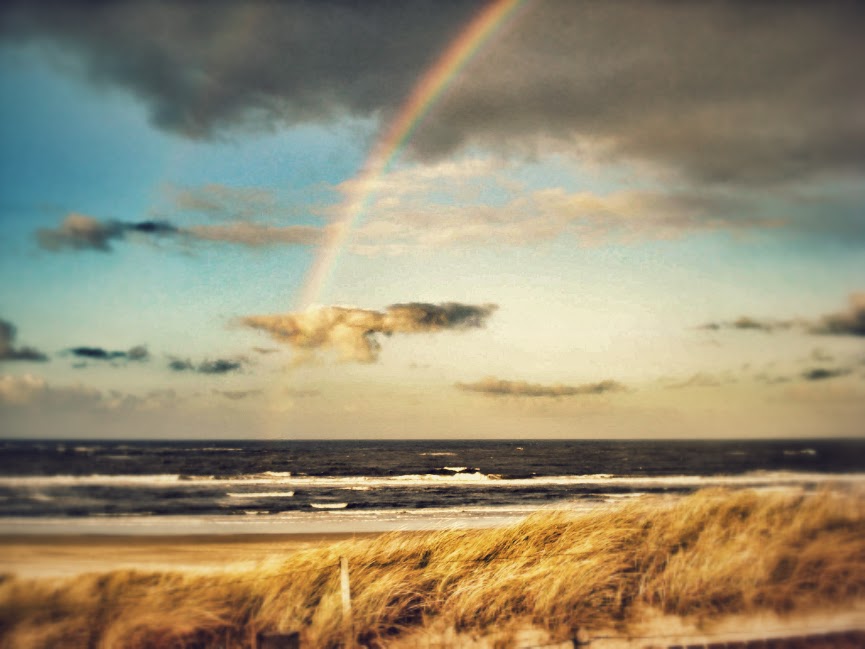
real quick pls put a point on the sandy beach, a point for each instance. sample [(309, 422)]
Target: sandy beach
[(60, 556)]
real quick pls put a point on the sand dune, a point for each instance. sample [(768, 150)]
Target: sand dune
[(704, 557)]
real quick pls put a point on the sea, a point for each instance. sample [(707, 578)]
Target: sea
[(290, 486)]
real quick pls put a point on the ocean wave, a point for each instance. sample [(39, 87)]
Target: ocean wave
[(757, 478), (95, 479), (310, 520), (208, 449)]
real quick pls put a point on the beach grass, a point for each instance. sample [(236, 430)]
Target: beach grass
[(710, 554)]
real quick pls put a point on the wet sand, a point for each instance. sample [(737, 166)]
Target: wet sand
[(55, 555)]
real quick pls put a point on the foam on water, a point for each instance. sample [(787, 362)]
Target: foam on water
[(457, 479), (293, 485), (262, 494)]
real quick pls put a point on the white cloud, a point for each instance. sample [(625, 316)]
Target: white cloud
[(31, 390), (352, 331), (449, 204)]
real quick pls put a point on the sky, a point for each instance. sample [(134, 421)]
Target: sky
[(512, 219)]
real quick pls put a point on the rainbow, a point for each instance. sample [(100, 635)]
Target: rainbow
[(422, 98)]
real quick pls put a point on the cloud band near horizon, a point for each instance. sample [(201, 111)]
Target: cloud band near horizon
[(79, 232), (492, 386)]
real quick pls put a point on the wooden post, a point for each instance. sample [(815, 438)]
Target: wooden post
[(347, 626), (581, 638)]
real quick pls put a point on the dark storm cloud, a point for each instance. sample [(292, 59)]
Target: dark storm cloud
[(10, 353), (351, 331), (202, 67), (82, 232), (215, 366), (180, 365), (96, 353), (150, 227), (751, 92), (500, 387), (218, 366), (823, 373), (137, 354)]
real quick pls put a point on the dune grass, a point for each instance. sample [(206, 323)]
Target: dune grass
[(713, 553)]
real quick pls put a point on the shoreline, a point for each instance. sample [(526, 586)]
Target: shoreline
[(38, 556), (325, 522)]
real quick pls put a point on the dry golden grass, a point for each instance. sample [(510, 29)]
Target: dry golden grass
[(712, 553)]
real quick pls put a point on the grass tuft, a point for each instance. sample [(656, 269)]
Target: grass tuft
[(711, 554)]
